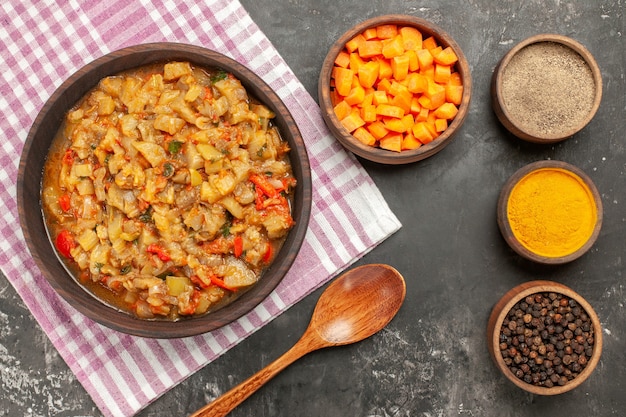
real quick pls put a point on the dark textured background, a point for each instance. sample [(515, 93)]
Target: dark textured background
[(432, 359)]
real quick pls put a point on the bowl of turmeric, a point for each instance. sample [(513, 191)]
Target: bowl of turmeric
[(550, 212), (395, 89)]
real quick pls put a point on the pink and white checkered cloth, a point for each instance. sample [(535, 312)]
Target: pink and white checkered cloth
[(44, 42)]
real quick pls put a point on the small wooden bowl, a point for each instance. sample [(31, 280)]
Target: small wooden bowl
[(504, 306), (558, 125), (35, 152), (577, 175), (376, 154)]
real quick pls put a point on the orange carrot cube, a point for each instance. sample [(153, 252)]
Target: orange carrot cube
[(441, 125), (343, 59), (386, 31), (422, 133), (393, 47), (442, 73), (370, 48), (409, 142), (369, 33), (356, 96), (429, 43), (389, 111), (392, 142), (446, 56), (424, 58), (400, 66), (354, 43), (368, 73), (342, 109), (343, 80), (446, 111), (352, 121), (364, 136), (411, 38), (377, 129)]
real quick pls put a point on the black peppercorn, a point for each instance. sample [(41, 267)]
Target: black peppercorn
[(547, 339)]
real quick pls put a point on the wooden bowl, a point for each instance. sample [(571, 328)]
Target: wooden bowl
[(495, 337), (542, 106), (377, 154), (35, 152), (545, 252)]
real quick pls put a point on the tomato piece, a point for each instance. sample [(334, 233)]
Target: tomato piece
[(64, 202), (268, 253), (65, 243), (264, 185), (238, 246), (159, 251)]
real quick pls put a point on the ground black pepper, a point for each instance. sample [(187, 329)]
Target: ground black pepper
[(548, 88), (546, 339)]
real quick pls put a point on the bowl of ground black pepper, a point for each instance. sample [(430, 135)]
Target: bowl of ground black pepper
[(546, 88), (544, 337)]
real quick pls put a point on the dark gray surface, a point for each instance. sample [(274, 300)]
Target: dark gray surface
[(432, 359)]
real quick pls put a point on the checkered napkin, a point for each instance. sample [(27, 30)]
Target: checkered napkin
[(41, 44)]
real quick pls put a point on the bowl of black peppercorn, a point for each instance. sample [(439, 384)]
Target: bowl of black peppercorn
[(544, 337)]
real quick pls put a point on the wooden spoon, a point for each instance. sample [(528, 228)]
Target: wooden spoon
[(355, 306)]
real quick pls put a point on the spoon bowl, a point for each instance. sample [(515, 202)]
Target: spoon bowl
[(355, 306)]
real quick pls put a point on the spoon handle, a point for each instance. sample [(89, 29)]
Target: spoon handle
[(231, 399)]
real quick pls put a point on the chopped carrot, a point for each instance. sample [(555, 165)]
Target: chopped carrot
[(423, 115), (352, 121), (384, 69), (380, 97), (386, 31), (409, 142), (364, 136), (429, 43), (446, 56), (342, 109), (392, 142), (370, 33), (393, 47), (343, 80), (356, 61), (395, 125), (446, 111), (454, 93), (370, 49), (455, 79), (384, 85), (343, 59), (355, 96), (354, 43), (378, 129), (414, 64), (389, 111), (424, 58), (417, 83), (442, 73), (368, 113), (368, 73), (393, 89), (411, 38), (400, 67), (441, 125), (422, 133)]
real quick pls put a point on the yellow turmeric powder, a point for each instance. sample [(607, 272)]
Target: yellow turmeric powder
[(552, 212)]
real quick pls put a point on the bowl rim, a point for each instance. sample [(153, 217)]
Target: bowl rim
[(74, 88), (502, 308), (502, 112), (505, 227), (382, 155)]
